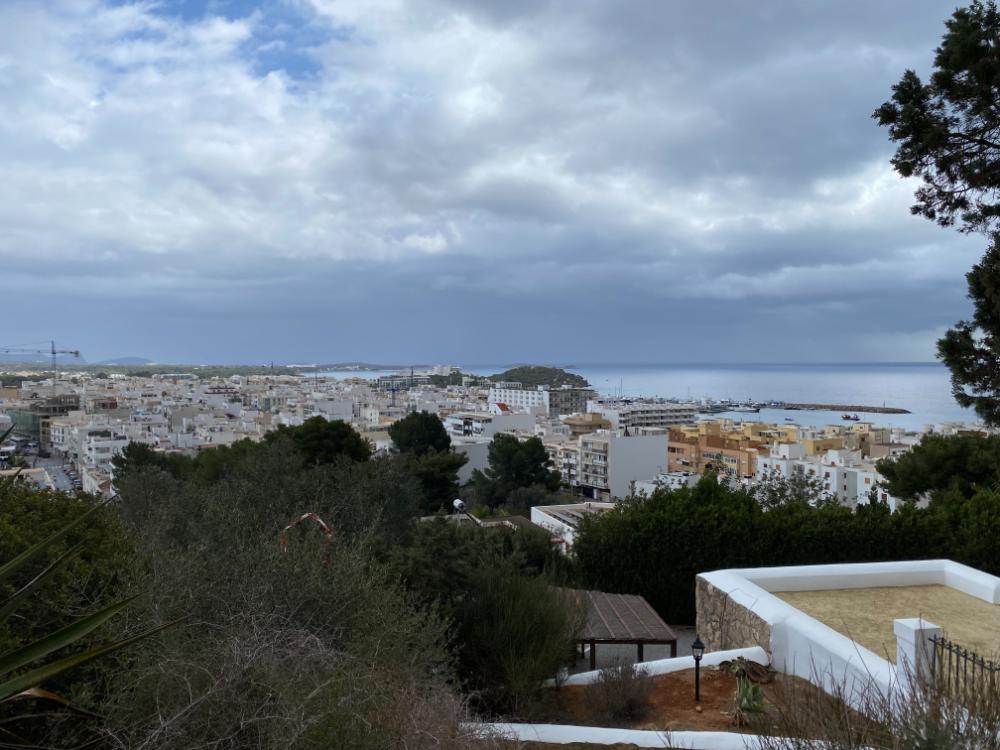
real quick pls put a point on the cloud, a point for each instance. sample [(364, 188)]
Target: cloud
[(468, 165)]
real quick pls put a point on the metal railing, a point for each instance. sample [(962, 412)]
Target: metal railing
[(961, 672)]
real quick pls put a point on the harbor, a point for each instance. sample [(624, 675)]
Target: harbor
[(754, 407)]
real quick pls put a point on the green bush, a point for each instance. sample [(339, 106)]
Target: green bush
[(512, 628), (514, 632), (656, 547)]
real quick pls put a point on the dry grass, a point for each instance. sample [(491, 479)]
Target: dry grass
[(866, 615)]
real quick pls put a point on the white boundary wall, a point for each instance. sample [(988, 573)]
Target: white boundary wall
[(676, 664), (564, 734), (805, 647)]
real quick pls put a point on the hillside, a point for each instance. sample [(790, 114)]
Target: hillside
[(532, 375)]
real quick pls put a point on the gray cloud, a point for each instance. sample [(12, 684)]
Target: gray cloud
[(467, 181)]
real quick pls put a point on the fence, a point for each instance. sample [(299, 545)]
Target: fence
[(962, 673)]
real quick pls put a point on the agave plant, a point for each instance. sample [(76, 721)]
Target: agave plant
[(24, 668), (748, 701)]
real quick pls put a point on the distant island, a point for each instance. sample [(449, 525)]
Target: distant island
[(534, 375)]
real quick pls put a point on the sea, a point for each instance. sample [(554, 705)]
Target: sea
[(923, 388)]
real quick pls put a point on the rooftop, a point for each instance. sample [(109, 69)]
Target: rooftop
[(571, 515), (622, 618), (866, 614)]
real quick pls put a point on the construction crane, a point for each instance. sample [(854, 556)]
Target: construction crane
[(52, 351)]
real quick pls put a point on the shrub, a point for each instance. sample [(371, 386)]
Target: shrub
[(621, 693), (514, 632), (928, 718)]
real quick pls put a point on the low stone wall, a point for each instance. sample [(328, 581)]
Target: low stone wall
[(723, 624)]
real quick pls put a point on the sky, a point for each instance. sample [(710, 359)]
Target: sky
[(466, 181)]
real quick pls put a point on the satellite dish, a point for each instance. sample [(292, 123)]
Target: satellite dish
[(458, 505)]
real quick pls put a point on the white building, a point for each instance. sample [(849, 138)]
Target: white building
[(486, 425), (845, 475), (531, 400), (562, 520), (541, 401), (673, 480), (628, 414), (609, 463)]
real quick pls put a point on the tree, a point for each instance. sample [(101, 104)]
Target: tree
[(774, 490), (514, 464), (438, 477), (323, 442), (948, 129), (420, 432), (948, 134), (971, 349), (940, 463), (425, 443)]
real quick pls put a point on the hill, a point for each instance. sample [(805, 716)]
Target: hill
[(126, 361), (532, 375)]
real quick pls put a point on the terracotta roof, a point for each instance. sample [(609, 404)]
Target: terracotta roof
[(622, 618)]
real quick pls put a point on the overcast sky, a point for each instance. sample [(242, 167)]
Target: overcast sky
[(483, 181)]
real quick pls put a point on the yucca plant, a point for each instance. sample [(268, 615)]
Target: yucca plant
[(24, 668)]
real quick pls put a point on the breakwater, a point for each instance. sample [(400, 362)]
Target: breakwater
[(843, 407)]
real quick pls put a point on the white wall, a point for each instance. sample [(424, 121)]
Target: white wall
[(803, 646), (633, 458), (478, 455)]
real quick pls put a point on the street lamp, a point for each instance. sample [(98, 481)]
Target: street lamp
[(697, 651)]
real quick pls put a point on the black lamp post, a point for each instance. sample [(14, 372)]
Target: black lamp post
[(697, 651)]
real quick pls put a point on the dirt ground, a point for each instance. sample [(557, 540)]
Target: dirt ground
[(673, 706), (866, 615)]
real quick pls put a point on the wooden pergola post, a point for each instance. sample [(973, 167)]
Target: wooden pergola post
[(593, 655), (638, 652)]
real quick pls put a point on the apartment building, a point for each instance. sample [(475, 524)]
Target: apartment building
[(733, 454), (31, 416), (485, 425), (584, 424), (550, 402), (846, 475), (565, 456), (629, 414), (610, 462)]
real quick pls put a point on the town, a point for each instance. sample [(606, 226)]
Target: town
[(604, 448)]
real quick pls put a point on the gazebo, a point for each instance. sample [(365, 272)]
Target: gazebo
[(622, 619)]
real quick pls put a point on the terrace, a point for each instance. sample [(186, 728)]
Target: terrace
[(851, 628), (865, 615)]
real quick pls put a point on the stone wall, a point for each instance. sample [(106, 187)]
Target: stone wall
[(724, 624)]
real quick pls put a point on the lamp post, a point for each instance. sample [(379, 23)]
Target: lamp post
[(697, 651)]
